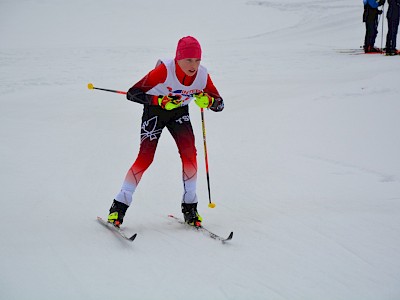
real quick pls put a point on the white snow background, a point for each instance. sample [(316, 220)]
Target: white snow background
[(304, 160)]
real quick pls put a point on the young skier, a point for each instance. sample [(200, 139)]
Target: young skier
[(393, 17), (370, 17), (165, 93)]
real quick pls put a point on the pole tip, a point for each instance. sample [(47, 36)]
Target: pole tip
[(90, 86)]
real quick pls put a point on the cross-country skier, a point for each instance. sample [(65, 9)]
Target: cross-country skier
[(165, 93), (393, 17), (370, 17)]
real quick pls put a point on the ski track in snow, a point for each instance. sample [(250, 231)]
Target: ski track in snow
[(381, 176)]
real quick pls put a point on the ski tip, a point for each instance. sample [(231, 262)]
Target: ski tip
[(133, 237), (228, 238)]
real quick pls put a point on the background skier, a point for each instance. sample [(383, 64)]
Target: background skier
[(393, 17), (370, 17)]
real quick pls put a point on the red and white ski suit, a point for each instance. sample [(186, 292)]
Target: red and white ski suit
[(168, 79)]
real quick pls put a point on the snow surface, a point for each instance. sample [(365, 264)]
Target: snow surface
[(304, 160)]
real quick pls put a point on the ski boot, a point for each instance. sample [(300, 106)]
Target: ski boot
[(117, 213), (191, 215), (391, 52), (372, 49)]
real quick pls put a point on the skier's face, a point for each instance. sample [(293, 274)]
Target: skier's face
[(189, 65)]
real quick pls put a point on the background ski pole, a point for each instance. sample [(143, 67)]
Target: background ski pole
[(211, 204), (91, 87)]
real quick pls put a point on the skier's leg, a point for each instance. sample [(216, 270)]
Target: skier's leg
[(151, 129), (181, 130)]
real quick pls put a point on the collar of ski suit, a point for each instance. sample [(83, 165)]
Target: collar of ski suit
[(182, 77)]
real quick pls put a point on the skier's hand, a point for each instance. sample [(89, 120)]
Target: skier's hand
[(218, 105), (169, 102), (203, 100)]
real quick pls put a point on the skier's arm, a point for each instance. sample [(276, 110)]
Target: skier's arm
[(210, 89), (137, 93)]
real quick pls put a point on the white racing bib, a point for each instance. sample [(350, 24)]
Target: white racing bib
[(172, 86)]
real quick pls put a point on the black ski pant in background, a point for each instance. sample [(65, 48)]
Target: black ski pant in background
[(393, 26), (371, 25)]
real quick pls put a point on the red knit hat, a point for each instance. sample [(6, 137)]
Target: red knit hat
[(188, 47)]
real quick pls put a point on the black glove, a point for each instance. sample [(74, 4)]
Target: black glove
[(381, 2), (218, 105), (379, 12)]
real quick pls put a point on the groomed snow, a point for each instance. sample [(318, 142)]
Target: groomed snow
[(304, 160)]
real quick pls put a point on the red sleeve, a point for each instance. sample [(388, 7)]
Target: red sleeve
[(211, 89), (154, 77)]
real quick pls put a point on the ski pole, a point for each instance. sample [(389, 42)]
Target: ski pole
[(91, 87), (211, 204)]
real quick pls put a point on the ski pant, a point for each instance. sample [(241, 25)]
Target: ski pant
[(154, 120), (393, 26), (371, 26)]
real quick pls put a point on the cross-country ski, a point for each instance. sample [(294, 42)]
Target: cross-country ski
[(117, 230), (204, 230)]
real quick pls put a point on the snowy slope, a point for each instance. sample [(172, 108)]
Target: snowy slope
[(304, 162)]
